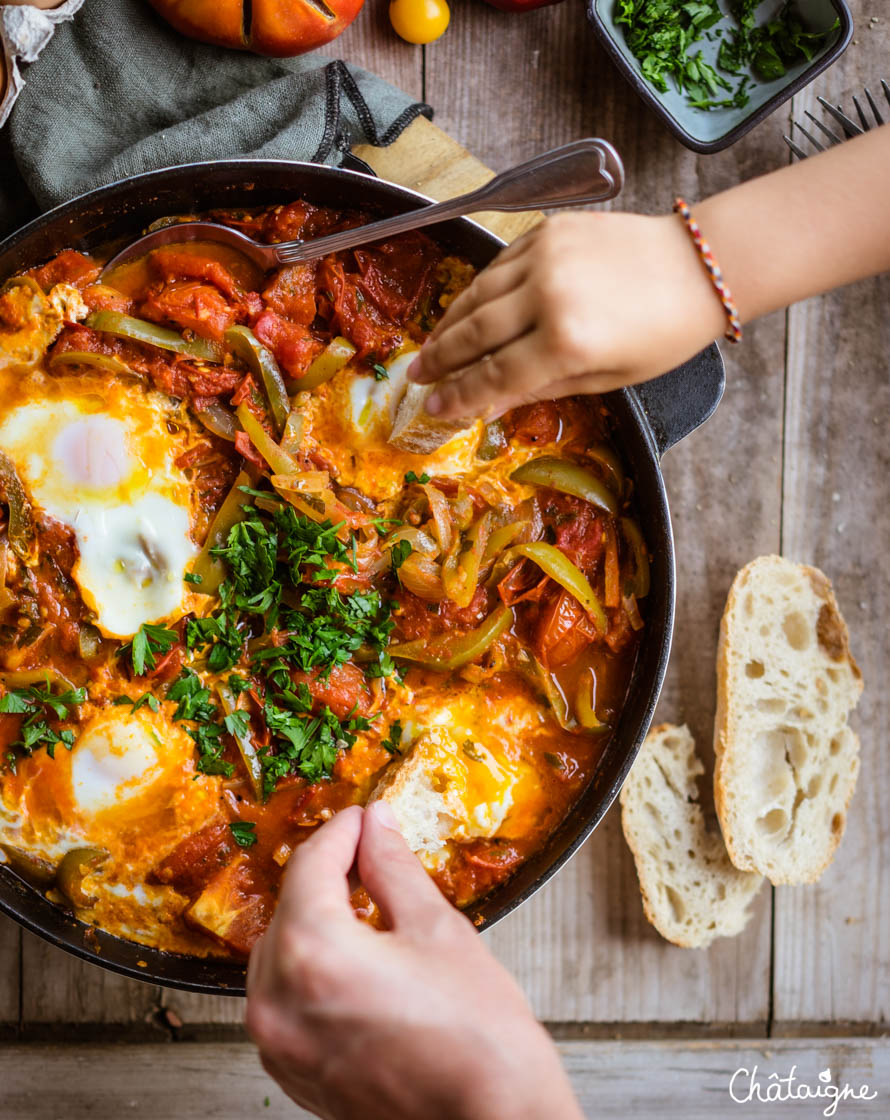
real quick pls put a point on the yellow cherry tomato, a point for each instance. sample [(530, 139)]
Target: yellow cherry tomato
[(419, 21)]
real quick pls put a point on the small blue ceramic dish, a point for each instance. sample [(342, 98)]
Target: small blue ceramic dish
[(712, 130)]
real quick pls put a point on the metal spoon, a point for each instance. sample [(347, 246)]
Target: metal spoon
[(586, 171)]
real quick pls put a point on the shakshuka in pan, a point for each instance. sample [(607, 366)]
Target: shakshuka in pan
[(243, 585)]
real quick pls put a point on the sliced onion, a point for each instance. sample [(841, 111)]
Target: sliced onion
[(442, 520), (294, 430), (218, 419), (420, 541), (422, 577)]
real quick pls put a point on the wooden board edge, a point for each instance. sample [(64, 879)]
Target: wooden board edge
[(428, 160)]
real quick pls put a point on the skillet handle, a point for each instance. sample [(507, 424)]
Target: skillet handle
[(680, 401)]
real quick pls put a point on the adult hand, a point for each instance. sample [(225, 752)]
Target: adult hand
[(583, 303), (417, 1021)]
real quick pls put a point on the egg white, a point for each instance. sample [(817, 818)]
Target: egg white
[(105, 468)]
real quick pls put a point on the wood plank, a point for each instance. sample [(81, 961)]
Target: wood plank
[(582, 948), (613, 1080), (10, 965), (833, 939), (372, 44), (59, 991)]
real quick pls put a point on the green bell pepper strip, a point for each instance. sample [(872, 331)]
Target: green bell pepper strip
[(21, 527), (26, 678), (584, 710), (235, 508), (493, 442), (33, 869), (107, 363), (278, 460), (560, 568), (22, 282), (460, 569), (634, 537), (558, 703), (139, 330), (446, 652), (249, 754), (502, 538), (263, 365), (338, 353), (569, 478), (74, 868)]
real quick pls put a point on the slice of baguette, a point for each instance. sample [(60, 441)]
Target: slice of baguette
[(787, 760), (434, 801), (691, 891), (415, 430)]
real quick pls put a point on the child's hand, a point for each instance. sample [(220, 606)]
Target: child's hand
[(419, 1020), (584, 303)]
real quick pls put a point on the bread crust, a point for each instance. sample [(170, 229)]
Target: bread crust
[(415, 430)]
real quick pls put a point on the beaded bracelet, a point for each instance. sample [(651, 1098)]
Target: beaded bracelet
[(734, 328)]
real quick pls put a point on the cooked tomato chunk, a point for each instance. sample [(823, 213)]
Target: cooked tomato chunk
[(69, 267), (193, 863), (344, 690), (534, 423), (232, 909), (174, 264), (563, 630), (196, 307), (292, 344), (292, 293), (577, 528), (397, 275)]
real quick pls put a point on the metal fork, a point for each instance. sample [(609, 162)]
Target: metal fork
[(836, 113)]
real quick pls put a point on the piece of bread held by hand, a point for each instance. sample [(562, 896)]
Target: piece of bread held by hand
[(691, 891), (415, 430), (787, 759)]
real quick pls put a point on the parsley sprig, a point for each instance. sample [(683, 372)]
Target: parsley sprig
[(150, 642), (37, 703), (244, 833)]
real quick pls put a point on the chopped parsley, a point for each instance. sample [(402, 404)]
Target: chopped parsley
[(140, 702), (244, 833), (410, 477), (279, 609), (37, 704), (399, 553), (381, 373), (193, 577), (661, 34), (238, 684), (150, 642), (194, 706), (392, 742)]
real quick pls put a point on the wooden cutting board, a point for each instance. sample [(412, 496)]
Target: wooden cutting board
[(428, 160)]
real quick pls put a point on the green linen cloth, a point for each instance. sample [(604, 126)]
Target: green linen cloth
[(117, 92)]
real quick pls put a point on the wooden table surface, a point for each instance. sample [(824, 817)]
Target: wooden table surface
[(797, 461)]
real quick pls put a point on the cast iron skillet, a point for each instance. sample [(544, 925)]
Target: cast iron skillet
[(648, 421)]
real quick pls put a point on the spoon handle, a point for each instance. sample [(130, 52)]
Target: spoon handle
[(585, 171)]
